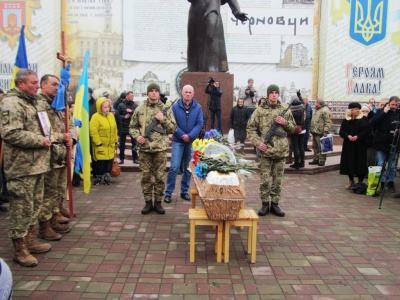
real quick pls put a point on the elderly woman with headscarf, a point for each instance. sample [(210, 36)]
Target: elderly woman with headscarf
[(354, 129), (104, 136)]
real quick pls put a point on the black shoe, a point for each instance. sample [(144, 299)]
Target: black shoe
[(295, 166), (4, 199), (264, 210), (185, 196), (158, 208), (397, 195), (167, 199), (136, 161), (107, 179), (301, 164), (391, 188), (97, 180), (3, 208), (314, 162), (276, 210), (121, 162), (147, 208), (307, 150), (321, 163)]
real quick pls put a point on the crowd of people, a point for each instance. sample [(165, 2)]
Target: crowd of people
[(36, 188)]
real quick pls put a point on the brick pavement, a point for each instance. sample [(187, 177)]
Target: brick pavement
[(332, 244)]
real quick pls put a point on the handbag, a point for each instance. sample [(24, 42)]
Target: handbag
[(115, 169), (297, 129)]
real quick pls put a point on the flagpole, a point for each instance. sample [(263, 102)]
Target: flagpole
[(64, 59)]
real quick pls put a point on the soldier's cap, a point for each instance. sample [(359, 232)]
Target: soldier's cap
[(272, 88), (153, 86), (250, 80)]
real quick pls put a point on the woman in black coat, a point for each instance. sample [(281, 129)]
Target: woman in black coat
[(238, 121), (354, 129)]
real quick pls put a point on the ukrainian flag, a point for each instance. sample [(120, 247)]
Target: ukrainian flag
[(81, 114), (21, 61)]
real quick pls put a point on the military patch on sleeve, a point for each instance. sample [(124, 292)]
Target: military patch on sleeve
[(5, 117)]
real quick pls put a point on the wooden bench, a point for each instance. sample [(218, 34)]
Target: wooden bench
[(247, 218), (198, 217)]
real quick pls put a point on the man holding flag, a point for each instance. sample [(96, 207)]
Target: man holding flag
[(53, 215), (26, 159)]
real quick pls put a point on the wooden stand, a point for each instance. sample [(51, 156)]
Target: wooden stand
[(199, 217), (247, 218)]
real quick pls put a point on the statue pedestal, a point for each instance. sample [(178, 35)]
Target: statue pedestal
[(199, 81)]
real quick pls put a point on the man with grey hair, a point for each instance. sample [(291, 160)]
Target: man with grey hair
[(320, 125), (23, 139)]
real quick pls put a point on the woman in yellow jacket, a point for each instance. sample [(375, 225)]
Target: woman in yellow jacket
[(104, 135)]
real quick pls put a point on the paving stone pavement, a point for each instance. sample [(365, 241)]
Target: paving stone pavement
[(332, 244)]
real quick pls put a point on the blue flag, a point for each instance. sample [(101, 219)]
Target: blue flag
[(21, 61)]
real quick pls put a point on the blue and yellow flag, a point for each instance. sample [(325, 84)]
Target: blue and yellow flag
[(21, 61), (81, 113)]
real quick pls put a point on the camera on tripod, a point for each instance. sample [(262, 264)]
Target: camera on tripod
[(163, 98), (211, 80)]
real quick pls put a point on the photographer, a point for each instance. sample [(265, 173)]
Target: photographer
[(215, 92), (249, 95), (386, 122)]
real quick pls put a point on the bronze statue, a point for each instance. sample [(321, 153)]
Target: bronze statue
[(206, 44)]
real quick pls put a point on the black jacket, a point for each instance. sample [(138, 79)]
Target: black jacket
[(384, 129), (122, 112), (215, 97)]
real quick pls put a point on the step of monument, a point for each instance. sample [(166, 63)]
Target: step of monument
[(332, 163)]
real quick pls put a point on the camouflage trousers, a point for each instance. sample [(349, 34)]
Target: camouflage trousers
[(271, 179), (316, 146), (26, 199), (153, 165), (55, 189)]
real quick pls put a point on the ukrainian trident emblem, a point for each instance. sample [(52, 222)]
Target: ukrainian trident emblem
[(368, 20)]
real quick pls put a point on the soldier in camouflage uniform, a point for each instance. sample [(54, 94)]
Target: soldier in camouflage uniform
[(53, 215), (153, 155), (26, 159), (320, 125), (272, 157)]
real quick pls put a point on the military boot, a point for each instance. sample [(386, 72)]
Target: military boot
[(276, 210), (107, 179), (264, 210), (33, 245), (158, 208), (64, 212), (47, 233), (22, 254), (148, 207), (60, 218), (57, 227)]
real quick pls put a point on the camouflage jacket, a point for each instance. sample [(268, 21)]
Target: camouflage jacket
[(262, 120), (160, 141), (57, 121), (321, 121), (22, 135)]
